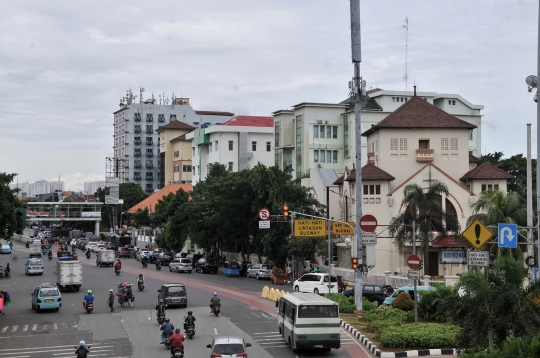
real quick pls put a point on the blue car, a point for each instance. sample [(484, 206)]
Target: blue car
[(34, 267), (410, 291), (65, 256), (46, 296), (6, 249)]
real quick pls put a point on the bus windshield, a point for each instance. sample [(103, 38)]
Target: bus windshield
[(313, 311)]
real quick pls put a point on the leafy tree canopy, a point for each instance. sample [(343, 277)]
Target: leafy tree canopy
[(8, 204)]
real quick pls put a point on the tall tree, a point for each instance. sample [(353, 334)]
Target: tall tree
[(132, 194), (494, 207), (8, 204), (425, 209)]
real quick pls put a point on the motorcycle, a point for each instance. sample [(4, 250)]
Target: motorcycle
[(117, 271), (88, 254), (140, 286), (50, 256), (89, 307), (158, 266), (190, 331), (4, 274), (161, 318), (216, 309), (144, 264), (177, 353), (167, 343)]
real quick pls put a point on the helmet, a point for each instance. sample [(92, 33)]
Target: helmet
[(82, 343), (161, 301), (111, 290), (190, 312), (167, 320), (89, 291), (140, 275), (215, 293), (177, 330)]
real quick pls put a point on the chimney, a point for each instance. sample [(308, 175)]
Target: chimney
[(414, 90)]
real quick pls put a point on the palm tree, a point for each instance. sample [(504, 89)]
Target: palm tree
[(495, 207), (425, 209)]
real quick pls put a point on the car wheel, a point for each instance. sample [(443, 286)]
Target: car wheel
[(316, 291), (41, 273), (57, 308), (296, 289), (247, 274), (190, 271), (257, 276)]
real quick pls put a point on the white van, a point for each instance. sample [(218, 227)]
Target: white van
[(316, 283)]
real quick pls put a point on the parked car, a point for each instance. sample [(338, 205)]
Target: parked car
[(184, 266), (133, 253), (46, 296), (206, 266), (173, 294), (141, 253), (166, 259), (259, 271), (228, 346), (317, 283), (410, 291), (34, 267), (123, 252), (194, 258), (373, 292), (244, 265), (5, 249), (92, 246), (180, 255)]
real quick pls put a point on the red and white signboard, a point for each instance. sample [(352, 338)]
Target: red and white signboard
[(264, 214), (413, 262), (368, 223)]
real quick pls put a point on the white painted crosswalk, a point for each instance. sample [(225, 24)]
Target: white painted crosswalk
[(37, 327), (275, 340), (96, 350)]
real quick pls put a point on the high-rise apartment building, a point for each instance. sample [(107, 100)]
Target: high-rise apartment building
[(136, 140)]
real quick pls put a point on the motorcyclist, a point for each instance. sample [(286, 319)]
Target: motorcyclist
[(167, 329), (88, 253), (140, 280), (82, 351), (189, 320), (50, 253), (161, 307), (158, 261), (214, 301), (58, 251), (177, 340), (118, 265), (88, 298)]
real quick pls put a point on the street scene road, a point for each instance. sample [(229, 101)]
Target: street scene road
[(134, 332)]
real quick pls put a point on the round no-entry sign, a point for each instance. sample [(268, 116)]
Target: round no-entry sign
[(264, 214), (368, 223), (413, 262)]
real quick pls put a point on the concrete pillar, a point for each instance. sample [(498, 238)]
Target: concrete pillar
[(386, 277), (426, 280), (308, 265), (96, 228), (331, 271)]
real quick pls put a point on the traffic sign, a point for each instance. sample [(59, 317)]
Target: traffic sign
[(477, 234), (413, 262), (342, 228), (309, 228), (368, 223), (264, 224), (369, 238), (413, 275), (62, 215), (507, 235), (264, 214), (479, 258)]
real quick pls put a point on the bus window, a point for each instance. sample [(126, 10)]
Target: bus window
[(318, 311)]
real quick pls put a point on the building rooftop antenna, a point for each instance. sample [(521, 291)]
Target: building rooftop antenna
[(406, 27)]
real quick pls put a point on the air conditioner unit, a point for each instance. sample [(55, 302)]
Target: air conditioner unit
[(319, 121), (325, 122)]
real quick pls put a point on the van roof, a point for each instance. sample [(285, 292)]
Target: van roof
[(310, 298), (417, 287)]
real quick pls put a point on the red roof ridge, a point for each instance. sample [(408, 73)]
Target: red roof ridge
[(250, 121), (153, 199), (486, 170)]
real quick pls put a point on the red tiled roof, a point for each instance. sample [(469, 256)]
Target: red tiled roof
[(417, 113), (370, 172), (486, 171), (250, 121), (179, 138), (473, 159), (214, 113), (339, 180), (176, 124), (153, 199), (448, 241)]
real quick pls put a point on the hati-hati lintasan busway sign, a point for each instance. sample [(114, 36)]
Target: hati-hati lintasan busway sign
[(479, 258), (413, 275), (264, 224), (309, 228)]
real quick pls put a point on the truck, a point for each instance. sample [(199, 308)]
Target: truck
[(69, 275), (35, 250), (105, 258)]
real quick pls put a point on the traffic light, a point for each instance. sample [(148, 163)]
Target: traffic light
[(421, 264), (286, 212), (20, 219), (354, 262)]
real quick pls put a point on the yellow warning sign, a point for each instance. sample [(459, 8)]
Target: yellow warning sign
[(309, 228), (477, 234), (342, 228)]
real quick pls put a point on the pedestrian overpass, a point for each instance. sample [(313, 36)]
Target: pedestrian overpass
[(65, 212)]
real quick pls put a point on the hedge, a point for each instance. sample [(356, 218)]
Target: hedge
[(423, 335)]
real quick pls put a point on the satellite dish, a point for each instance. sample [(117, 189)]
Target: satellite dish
[(531, 81)]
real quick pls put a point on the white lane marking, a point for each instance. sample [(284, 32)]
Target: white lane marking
[(90, 355), (55, 326), (5, 329), (274, 333), (44, 328), (215, 331), (64, 326), (25, 328), (14, 328), (70, 346), (34, 327)]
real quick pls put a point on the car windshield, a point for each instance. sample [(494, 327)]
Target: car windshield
[(64, 253), (333, 278), (265, 267), (313, 311), (35, 262), (186, 261), (167, 256), (229, 348), (176, 289), (48, 291)]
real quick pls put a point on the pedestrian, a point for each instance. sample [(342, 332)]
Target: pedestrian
[(8, 268), (129, 295), (110, 301)]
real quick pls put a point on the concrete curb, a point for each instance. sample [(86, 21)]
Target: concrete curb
[(377, 352)]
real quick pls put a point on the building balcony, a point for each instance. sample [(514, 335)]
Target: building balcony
[(137, 154), (149, 165), (138, 165), (137, 142), (424, 155), (371, 157), (149, 143), (137, 177), (137, 130), (149, 131), (137, 119), (149, 154)]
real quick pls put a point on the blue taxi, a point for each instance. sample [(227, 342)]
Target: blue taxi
[(46, 296), (34, 266)]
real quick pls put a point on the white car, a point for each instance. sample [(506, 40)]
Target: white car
[(91, 246), (316, 283), (100, 247), (184, 265), (141, 253)]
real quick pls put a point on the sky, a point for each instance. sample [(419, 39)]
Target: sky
[(64, 65)]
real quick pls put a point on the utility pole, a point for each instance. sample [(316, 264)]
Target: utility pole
[(357, 93), (538, 146), (530, 245)]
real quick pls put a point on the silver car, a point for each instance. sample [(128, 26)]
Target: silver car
[(258, 271), (184, 266)]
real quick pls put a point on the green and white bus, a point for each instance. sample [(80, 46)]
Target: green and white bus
[(307, 320)]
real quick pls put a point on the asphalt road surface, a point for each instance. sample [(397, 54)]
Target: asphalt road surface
[(133, 332)]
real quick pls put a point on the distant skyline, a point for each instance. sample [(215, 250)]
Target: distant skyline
[(65, 65)]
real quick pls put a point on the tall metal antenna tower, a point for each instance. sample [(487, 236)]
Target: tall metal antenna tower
[(406, 27)]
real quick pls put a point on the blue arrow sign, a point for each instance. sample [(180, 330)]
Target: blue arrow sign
[(508, 235)]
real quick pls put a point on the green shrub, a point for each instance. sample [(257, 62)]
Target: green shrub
[(384, 313), (345, 306), (423, 335), (430, 300), (367, 306), (403, 301)]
